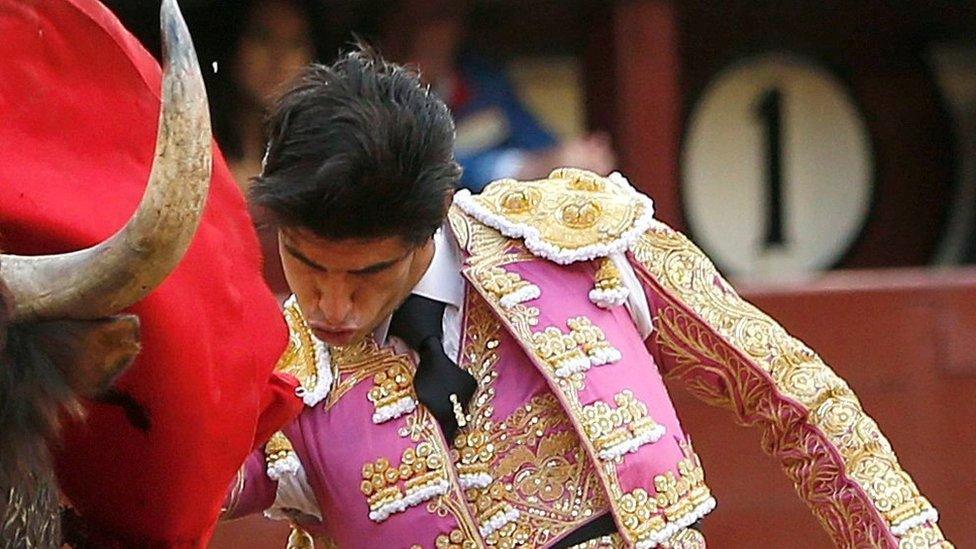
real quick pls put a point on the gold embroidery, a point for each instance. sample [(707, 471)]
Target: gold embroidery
[(392, 392), (359, 361), (686, 538), (613, 541), (570, 210), (608, 290), (551, 344), (355, 363), (923, 537), (538, 465), (300, 539), (277, 448), (560, 351), (455, 540), (474, 455), (594, 343), (617, 431), (508, 288), (679, 500), (421, 472), (299, 358), (607, 275), (739, 345)]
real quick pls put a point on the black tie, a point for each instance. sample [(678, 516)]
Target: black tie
[(418, 322)]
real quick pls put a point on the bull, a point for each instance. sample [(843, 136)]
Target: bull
[(62, 338)]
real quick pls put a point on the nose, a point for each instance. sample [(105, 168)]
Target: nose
[(335, 303)]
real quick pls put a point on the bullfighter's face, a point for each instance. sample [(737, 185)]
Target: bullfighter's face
[(347, 288)]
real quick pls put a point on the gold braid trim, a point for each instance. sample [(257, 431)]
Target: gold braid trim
[(733, 355)]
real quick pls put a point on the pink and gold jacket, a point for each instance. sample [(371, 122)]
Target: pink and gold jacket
[(571, 419)]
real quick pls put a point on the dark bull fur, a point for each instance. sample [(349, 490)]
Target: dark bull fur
[(45, 369)]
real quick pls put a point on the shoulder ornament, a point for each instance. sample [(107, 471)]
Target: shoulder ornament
[(573, 215), (307, 358)]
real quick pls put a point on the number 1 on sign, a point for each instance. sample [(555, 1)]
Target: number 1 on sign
[(769, 110)]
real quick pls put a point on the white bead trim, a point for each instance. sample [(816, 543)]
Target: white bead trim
[(288, 465), (604, 355), (475, 480), (570, 366), (607, 299), (323, 369), (523, 294), (902, 528), (672, 528), (538, 246), (631, 445), (292, 493), (392, 411), (498, 521), (412, 498)]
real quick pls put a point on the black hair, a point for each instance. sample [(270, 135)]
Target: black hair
[(360, 149)]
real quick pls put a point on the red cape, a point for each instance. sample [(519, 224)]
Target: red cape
[(79, 104)]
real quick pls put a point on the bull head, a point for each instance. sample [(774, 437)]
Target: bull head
[(62, 340)]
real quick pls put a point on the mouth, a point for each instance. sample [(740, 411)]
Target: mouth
[(334, 336)]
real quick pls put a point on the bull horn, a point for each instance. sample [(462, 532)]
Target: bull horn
[(104, 279)]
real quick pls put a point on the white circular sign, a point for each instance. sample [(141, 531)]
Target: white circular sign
[(777, 168)]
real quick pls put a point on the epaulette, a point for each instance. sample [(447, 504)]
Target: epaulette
[(573, 215)]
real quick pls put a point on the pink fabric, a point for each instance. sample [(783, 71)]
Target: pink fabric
[(259, 490), (333, 446), (564, 296)]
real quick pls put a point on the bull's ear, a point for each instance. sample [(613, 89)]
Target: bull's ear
[(89, 353)]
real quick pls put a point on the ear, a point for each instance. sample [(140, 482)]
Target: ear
[(89, 353)]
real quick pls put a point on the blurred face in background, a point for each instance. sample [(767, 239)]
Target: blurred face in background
[(434, 48), (276, 44), (425, 33)]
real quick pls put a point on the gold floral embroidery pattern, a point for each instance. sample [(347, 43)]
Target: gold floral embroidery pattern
[(542, 483), (573, 215), (420, 476), (362, 360), (737, 357), (618, 431), (489, 249), (568, 354)]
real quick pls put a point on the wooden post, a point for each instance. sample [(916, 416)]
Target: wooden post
[(647, 101)]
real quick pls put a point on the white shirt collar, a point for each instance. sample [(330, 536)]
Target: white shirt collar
[(443, 280)]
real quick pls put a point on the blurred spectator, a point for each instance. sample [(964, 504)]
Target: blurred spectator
[(260, 45), (275, 40), (496, 135)]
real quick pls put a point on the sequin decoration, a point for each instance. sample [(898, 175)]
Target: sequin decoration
[(621, 430), (391, 489)]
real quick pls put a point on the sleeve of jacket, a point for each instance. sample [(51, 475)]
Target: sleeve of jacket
[(731, 354), (252, 490)]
